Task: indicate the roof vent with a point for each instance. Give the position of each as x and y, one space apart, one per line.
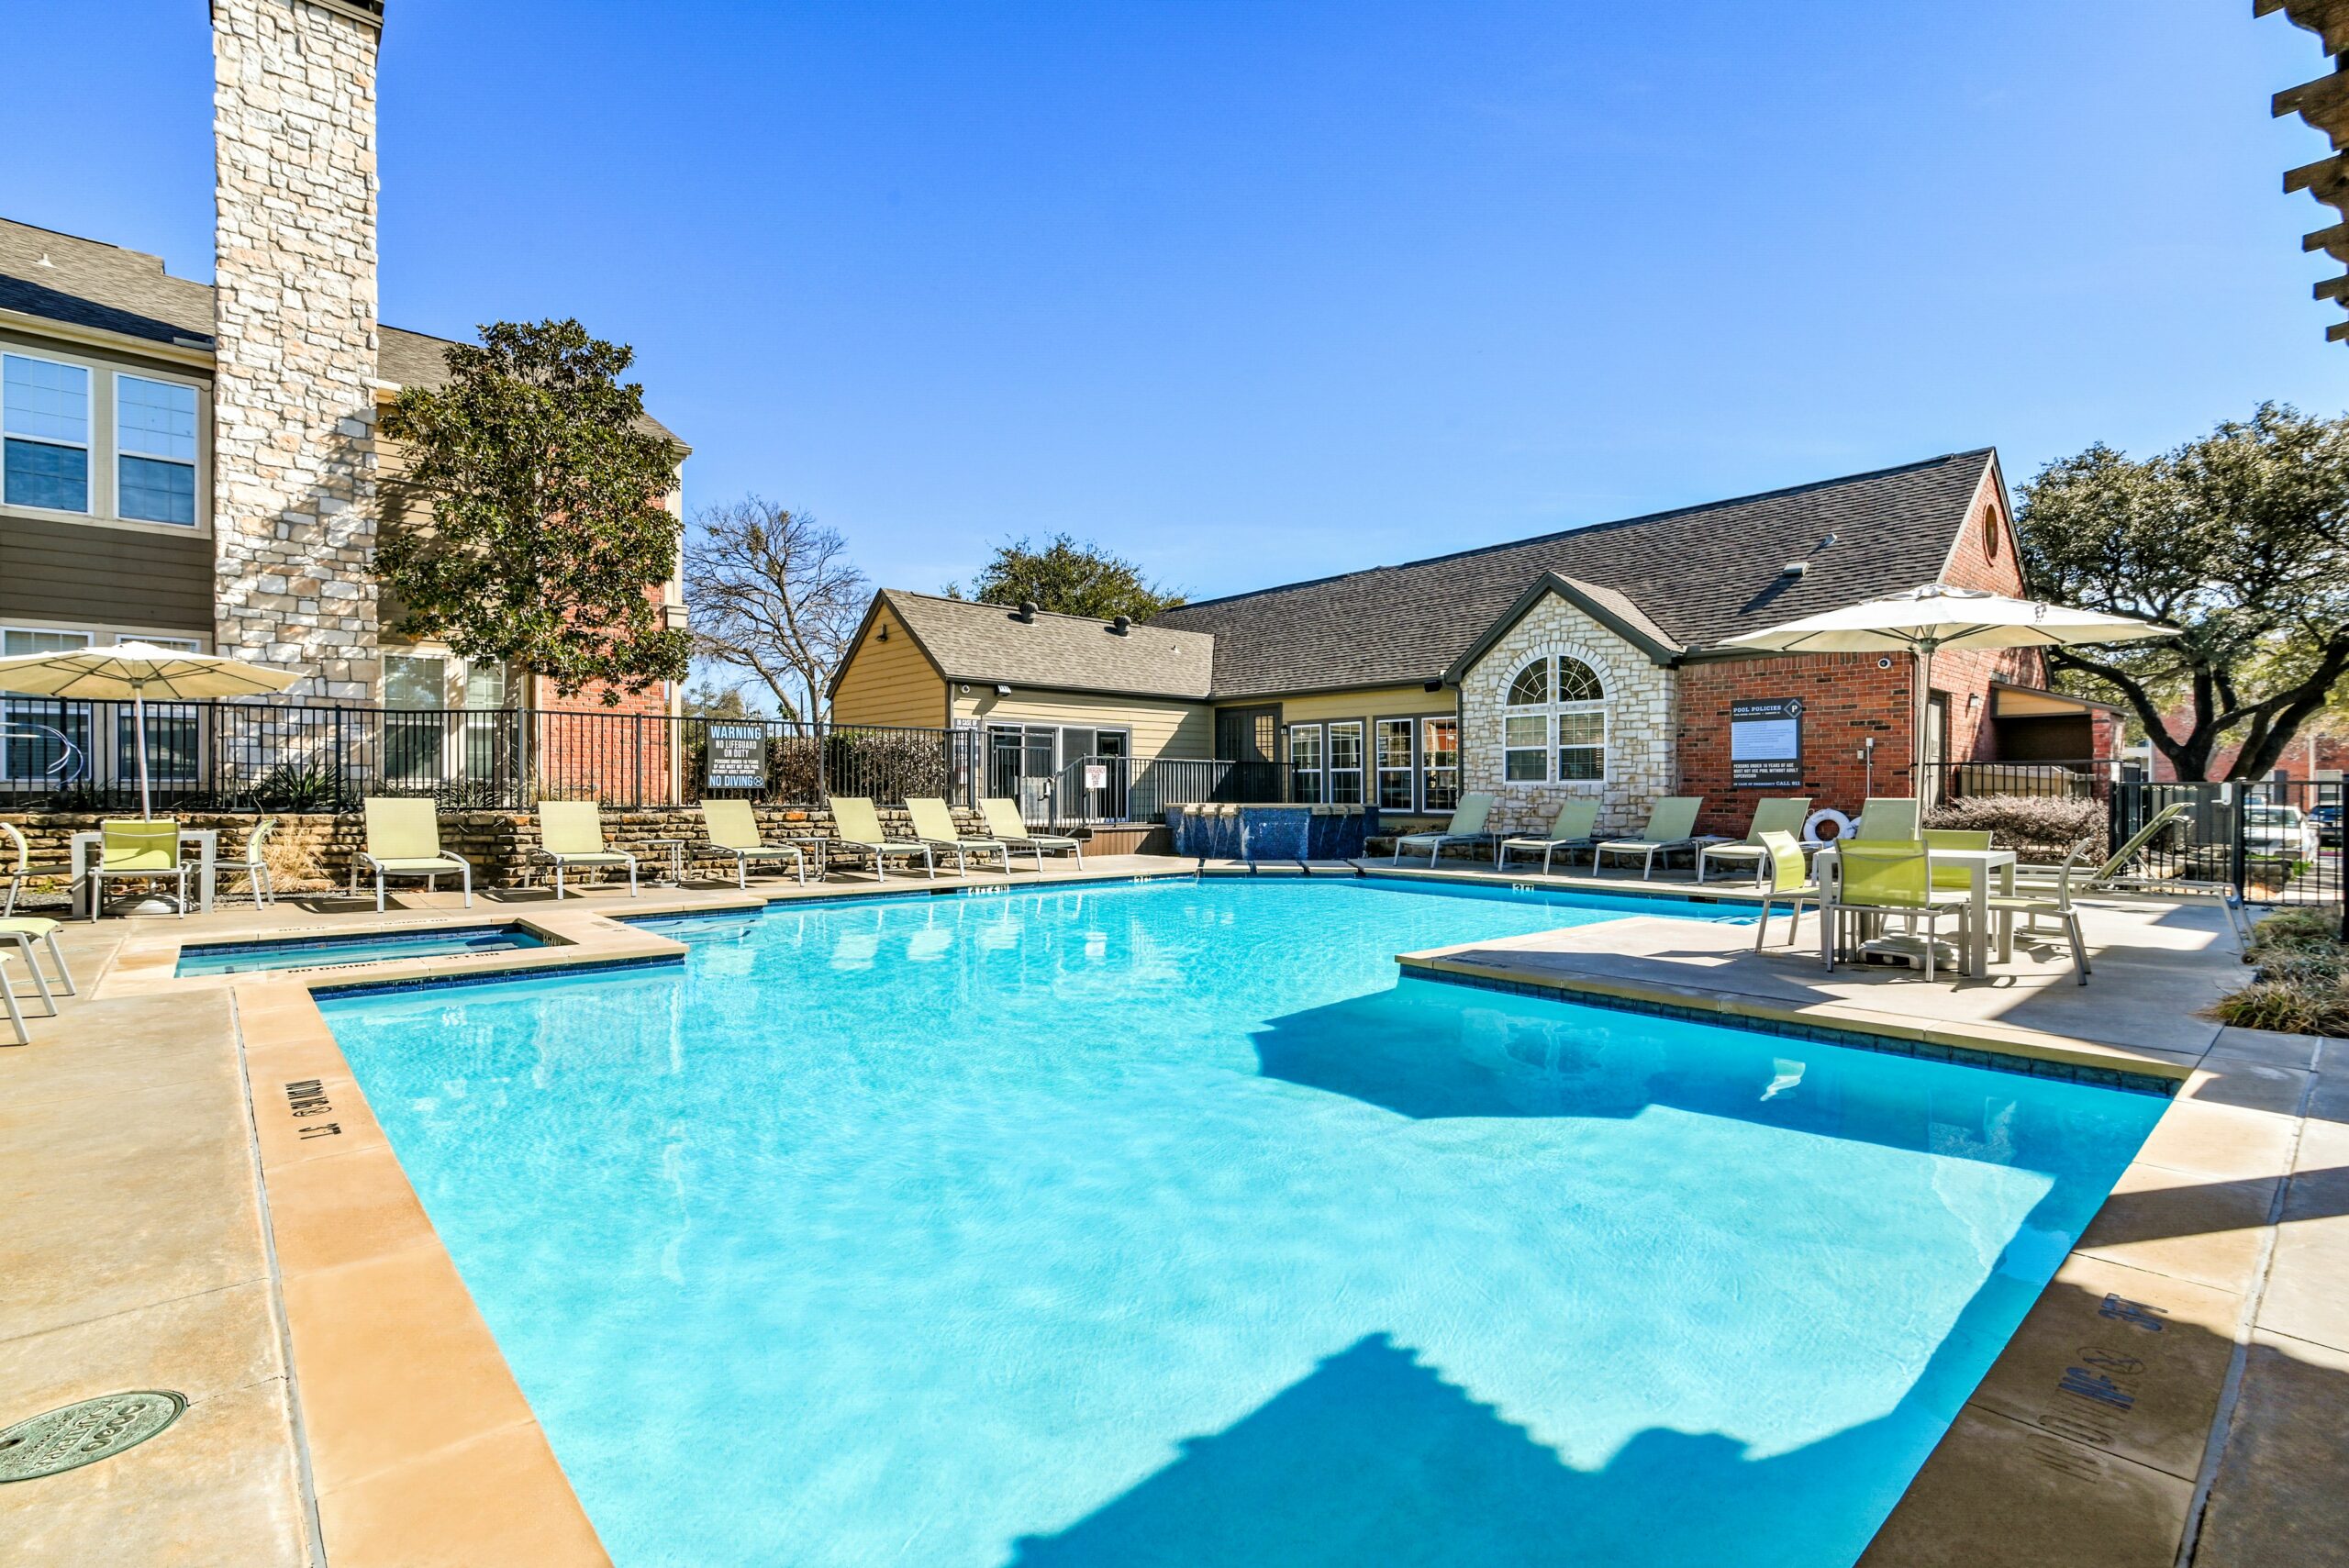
1027 611
1119 624
1794 569
45 261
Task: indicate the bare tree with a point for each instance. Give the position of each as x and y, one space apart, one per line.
772 592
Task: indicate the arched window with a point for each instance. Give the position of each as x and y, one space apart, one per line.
1554 724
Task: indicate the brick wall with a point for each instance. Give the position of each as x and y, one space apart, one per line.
497 843
1846 697
600 756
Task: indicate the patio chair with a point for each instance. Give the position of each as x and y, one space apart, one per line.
254 867
2055 903
1953 875
18 858
404 839
1782 813
144 850
733 829
1891 880
1886 819
571 833
1466 826
1786 874
1570 830
856 827
1670 827
934 826
8 999
1006 822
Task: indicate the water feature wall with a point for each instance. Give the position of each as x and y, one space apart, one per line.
1270 832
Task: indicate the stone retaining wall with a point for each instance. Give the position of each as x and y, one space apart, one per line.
497 842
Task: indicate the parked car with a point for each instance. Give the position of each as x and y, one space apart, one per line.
2328 824
2278 830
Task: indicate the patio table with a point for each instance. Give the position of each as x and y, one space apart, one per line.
206 839
1979 865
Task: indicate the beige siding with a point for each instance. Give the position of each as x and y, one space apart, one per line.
890 682
1160 728
1379 702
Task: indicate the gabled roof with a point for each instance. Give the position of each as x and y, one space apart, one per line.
86 283
1694 577
1605 606
986 644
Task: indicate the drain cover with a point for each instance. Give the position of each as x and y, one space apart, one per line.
76 1435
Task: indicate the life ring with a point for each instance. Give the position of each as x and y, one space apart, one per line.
1826 816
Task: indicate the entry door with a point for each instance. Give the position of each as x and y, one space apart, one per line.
1249 738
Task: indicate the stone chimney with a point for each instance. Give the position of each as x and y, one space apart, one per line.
294 387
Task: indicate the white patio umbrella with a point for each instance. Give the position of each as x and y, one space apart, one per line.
1923 621
138 671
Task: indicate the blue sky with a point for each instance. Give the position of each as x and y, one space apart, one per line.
1253 292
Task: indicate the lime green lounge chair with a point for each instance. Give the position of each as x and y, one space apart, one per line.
404 839
1893 880
1466 826
144 850
934 826
1783 814
1887 819
1004 822
733 827
856 828
1570 830
2053 902
1671 826
571 834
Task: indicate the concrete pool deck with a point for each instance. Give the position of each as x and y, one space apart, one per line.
184 1219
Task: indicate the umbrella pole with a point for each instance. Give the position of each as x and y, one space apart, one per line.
1918 787
139 739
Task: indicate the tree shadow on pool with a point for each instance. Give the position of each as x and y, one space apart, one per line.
1375 1458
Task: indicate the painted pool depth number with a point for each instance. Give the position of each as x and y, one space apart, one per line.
306 1098
78 1434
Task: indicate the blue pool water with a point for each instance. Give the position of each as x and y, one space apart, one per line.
314 953
1160 1225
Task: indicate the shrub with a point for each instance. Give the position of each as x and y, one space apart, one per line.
2302 987
2037 826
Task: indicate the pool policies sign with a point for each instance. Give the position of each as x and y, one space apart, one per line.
1764 742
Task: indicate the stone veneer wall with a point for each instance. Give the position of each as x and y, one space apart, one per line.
294 398
1640 725
499 843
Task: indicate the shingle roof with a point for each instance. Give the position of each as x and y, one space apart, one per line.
1697 575
982 642
86 283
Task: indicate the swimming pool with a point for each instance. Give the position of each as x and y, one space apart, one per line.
318 953
1159 1224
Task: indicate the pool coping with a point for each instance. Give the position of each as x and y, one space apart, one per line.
417 1438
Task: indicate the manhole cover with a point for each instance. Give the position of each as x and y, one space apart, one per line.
75 1435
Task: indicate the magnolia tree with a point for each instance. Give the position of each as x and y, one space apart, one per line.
2239 539
527 526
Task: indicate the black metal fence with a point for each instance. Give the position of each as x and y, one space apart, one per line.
2274 841
1094 791
260 756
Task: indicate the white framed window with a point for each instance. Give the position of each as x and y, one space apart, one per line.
154 424
1345 763
1554 723
44 434
1304 785
1391 743
1438 764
